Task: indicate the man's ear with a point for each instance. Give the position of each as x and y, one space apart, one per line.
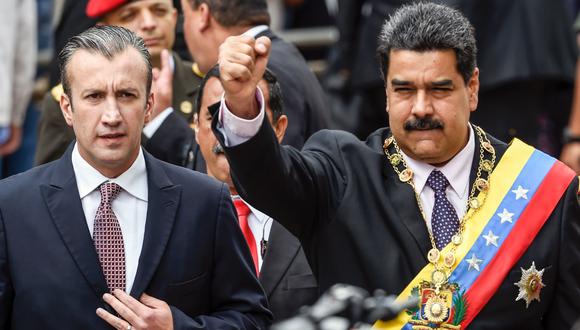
280 127
66 108
204 17
195 126
149 107
473 87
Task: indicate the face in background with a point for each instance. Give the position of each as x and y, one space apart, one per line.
107 108
196 26
429 104
216 161
152 20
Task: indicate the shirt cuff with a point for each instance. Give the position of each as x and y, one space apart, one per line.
238 130
152 126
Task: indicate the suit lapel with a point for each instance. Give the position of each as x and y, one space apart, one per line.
404 201
63 202
282 249
162 205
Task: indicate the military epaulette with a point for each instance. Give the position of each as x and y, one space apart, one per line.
57 92
196 70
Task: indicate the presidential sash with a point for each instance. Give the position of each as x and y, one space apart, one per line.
525 187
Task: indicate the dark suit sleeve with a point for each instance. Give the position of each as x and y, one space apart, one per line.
238 301
565 309
296 188
6 291
171 141
54 134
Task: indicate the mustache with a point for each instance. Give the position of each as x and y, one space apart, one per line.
422 124
217 149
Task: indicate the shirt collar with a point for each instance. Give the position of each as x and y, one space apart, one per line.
455 170
261 217
133 180
253 32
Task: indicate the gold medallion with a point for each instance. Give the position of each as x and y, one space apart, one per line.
438 278
406 175
437 308
474 203
433 256
487 146
395 159
387 142
449 260
486 165
481 184
186 107
456 239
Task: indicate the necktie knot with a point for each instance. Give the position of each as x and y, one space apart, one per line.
109 190
437 181
241 208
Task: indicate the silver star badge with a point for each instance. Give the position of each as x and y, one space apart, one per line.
474 262
521 192
490 238
530 284
505 216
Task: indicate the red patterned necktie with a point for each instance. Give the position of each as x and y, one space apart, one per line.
108 238
243 212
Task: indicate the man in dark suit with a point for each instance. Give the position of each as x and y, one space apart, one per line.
432 206
168 134
279 259
92 238
207 23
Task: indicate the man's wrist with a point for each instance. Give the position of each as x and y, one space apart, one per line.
570 137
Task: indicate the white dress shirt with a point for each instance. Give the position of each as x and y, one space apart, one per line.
238 130
260 225
456 173
130 206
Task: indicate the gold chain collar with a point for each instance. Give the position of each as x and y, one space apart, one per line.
481 184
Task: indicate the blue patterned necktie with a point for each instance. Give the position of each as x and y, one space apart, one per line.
444 221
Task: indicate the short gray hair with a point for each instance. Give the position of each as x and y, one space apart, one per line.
429 26
105 40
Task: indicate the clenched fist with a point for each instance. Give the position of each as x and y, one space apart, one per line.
242 61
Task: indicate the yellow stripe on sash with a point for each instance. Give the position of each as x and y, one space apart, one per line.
500 181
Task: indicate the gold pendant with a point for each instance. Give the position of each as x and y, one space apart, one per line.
388 142
474 203
406 175
449 260
456 239
395 159
486 165
433 256
481 184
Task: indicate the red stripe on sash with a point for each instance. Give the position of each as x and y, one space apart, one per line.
519 239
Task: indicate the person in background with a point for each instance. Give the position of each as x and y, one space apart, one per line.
175 83
207 24
278 257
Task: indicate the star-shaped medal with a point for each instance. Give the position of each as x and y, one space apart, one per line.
490 238
530 284
505 216
473 262
520 192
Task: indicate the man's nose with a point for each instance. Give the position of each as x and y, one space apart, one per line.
148 20
422 106
112 113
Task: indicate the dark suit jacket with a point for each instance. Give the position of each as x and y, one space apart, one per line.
360 225
303 97
286 275
50 276
169 143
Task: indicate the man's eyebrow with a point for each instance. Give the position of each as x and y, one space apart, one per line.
399 82
442 83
